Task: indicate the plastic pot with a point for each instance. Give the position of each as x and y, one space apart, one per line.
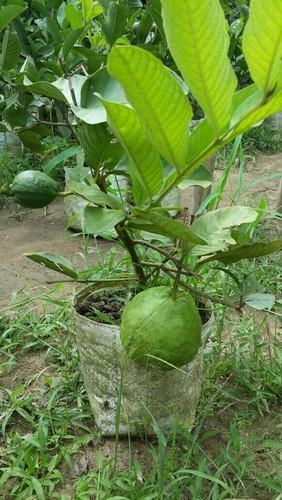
128 398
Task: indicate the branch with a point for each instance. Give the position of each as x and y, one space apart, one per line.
169 256
129 245
192 289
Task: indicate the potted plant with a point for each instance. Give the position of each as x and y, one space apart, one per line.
152 371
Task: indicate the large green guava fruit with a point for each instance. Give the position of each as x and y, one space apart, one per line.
156 324
34 189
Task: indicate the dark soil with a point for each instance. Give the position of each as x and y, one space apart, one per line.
107 307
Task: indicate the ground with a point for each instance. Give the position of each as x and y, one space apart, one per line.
49 435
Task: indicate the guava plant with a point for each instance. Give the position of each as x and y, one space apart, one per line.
151 118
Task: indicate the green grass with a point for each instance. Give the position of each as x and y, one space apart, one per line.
50 447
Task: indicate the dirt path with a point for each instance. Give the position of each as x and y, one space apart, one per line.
33 231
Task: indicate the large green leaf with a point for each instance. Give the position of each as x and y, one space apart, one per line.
158 99
262 44
165 226
54 262
250 251
101 221
144 159
198 40
215 227
8 14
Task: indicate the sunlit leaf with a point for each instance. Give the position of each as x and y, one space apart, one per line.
198 40
157 98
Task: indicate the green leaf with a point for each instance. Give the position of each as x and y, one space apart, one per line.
144 159
10 51
31 140
165 226
260 301
215 227
262 44
8 14
38 488
91 109
70 40
250 251
115 21
253 111
46 89
98 145
101 221
200 177
54 262
198 40
94 194
90 9
158 99
74 16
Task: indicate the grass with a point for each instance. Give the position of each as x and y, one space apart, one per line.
50 447
258 139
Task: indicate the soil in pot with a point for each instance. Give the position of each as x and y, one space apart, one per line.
107 306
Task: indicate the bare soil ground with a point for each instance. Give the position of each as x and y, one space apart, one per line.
31 231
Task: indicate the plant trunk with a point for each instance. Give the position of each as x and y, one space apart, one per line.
129 245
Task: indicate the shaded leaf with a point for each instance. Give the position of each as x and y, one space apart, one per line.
101 221
250 251
94 195
54 262
201 177
115 21
165 226
98 145
8 14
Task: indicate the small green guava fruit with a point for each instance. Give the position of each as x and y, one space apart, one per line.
34 189
155 324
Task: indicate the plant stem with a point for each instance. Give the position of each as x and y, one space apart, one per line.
160 266
129 245
178 275
195 290
169 256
